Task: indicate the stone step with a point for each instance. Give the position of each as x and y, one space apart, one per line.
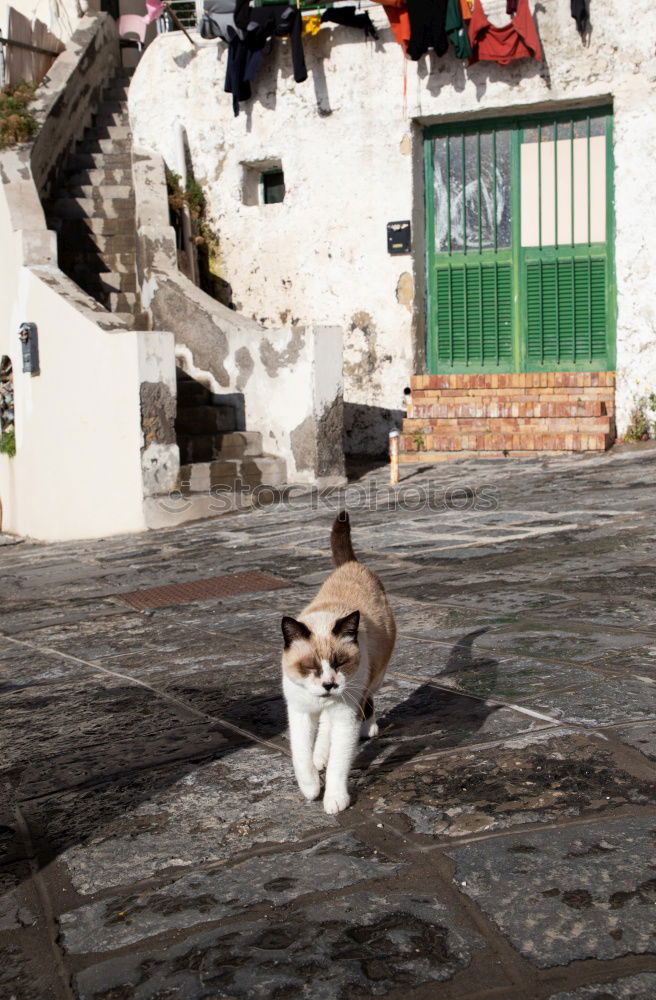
99 227
100 193
121 302
192 393
105 245
94 133
128 318
241 444
99 178
96 263
92 208
528 441
259 470
99 161
116 92
510 425
204 420
264 470
111 116
104 282
200 447
105 146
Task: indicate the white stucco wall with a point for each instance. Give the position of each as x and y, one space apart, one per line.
61 17
350 148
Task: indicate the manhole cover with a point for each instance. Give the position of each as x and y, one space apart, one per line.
202 590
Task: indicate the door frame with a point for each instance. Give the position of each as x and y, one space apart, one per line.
518 254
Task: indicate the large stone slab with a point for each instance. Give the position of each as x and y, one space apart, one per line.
219 892
541 778
365 944
567 895
135 829
603 701
619 613
640 987
554 643
432 718
42 722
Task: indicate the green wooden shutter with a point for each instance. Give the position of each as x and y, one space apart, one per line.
566 311
474 314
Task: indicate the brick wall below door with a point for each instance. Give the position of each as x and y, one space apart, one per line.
517 414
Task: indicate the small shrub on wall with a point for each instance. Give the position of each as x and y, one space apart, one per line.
17 122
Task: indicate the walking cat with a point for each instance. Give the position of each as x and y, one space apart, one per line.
334 660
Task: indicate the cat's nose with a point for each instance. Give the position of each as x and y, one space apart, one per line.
329 685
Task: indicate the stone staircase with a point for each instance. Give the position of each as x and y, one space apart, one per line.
93 214
212 451
93 211
519 415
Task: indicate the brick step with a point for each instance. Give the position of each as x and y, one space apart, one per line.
203 420
433 457
559 394
257 470
98 178
512 425
516 380
491 409
500 442
91 208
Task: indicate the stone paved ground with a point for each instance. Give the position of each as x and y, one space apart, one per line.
502 842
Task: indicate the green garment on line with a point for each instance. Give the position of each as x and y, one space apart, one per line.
456 30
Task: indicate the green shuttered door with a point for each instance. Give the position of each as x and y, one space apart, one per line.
520 255
474 313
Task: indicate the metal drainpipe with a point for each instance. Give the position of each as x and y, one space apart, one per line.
188 244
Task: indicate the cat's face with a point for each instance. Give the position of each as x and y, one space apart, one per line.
321 664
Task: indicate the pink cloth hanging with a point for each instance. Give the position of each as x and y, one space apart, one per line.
153 9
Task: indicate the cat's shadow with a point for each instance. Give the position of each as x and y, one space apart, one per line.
434 716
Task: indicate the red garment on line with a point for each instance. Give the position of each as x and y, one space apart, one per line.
516 40
399 19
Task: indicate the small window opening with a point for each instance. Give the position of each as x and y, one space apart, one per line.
273 187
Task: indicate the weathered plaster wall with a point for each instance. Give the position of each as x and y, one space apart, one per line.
61 17
350 147
286 381
90 441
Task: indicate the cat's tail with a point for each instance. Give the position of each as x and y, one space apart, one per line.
340 540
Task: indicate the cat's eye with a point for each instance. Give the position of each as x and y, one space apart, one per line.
306 667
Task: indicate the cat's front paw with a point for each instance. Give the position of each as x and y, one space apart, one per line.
335 802
310 787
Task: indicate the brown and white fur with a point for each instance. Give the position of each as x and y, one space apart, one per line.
334 660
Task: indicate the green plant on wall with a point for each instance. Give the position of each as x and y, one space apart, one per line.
17 122
8 443
418 441
207 244
642 427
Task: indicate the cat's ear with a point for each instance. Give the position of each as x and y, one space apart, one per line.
347 627
292 630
